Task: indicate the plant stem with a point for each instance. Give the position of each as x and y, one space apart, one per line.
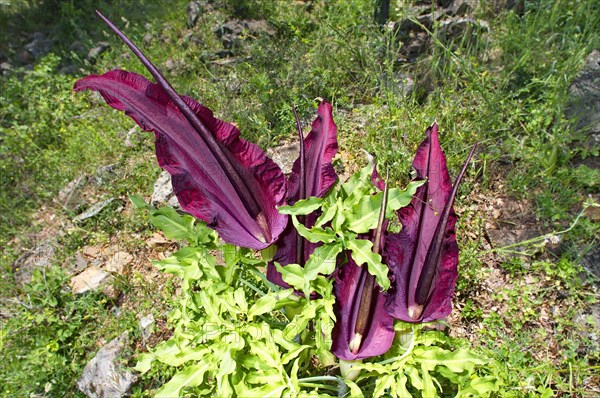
405 354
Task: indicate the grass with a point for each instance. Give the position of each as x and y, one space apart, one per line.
507 89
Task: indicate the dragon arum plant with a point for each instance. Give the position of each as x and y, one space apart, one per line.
337 284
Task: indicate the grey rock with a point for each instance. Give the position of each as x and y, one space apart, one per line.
70 197
400 84
68 70
455 28
500 238
285 155
90 279
76 263
146 327
234 32
584 104
77 47
133 137
93 210
194 9
39 46
105 376
591 261
463 7
38 258
96 51
587 324
5 66
163 191
105 173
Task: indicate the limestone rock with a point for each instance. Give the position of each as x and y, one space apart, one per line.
93 210
118 261
39 257
105 376
194 9
88 280
163 191
284 156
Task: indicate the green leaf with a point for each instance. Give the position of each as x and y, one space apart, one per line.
383 383
268 353
355 391
192 376
428 389
302 207
139 202
457 361
240 299
364 214
293 274
362 253
144 362
288 356
399 198
173 225
315 234
322 261
400 387
268 302
480 387
329 211
414 376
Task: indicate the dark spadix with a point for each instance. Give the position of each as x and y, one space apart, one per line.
363 329
423 257
312 175
217 176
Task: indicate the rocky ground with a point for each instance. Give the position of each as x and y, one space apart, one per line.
502 220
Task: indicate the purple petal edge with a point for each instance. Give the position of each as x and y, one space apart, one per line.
405 252
349 280
201 186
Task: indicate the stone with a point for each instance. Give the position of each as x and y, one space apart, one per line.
133 137
146 327
584 93
456 28
70 197
157 239
285 156
96 51
500 238
233 33
163 191
105 173
462 7
118 262
38 258
76 263
39 46
400 84
68 70
5 67
90 279
106 376
586 324
194 9
591 261
77 47
93 210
